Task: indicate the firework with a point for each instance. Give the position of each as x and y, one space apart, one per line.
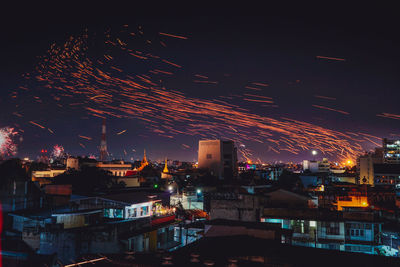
103 88
7 145
58 151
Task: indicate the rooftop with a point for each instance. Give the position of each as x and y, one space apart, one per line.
242 251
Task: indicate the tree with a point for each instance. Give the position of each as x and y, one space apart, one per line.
37 166
150 171
289 180
12 170
207 179
87 179
247 175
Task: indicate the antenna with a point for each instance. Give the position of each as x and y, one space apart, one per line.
103 143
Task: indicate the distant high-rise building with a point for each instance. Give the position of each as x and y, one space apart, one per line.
103 143
391 151
219 157
316 166
72 163
365 166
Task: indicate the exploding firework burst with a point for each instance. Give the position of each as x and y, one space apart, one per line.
7 145
58 151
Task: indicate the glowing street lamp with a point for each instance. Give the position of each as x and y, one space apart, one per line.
314 153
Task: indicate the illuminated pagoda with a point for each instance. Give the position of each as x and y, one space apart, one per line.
143 163
165 173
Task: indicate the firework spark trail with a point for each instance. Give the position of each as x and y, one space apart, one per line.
331 58
325 97
172 35
389 116
7 145
331 109
106 91
37 124
121 132
85 137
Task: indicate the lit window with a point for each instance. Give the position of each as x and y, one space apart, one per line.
313 223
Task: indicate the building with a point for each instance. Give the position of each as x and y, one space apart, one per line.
116 168
133 220
45 177
391 151
240 251
381 167
165 173
234 206
339 234
72 163
277 197
387 174
17 191
351 201
222 227
365 166
189 199
125 205
219 157
316 166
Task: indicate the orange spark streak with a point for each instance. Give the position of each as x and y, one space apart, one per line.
325 97
173 64
331 58
331 109
85 137
34 123
172 35
261 84
121 132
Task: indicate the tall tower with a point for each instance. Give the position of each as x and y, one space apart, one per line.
103 143
218 157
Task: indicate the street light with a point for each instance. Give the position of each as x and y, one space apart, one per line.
314 153
198 191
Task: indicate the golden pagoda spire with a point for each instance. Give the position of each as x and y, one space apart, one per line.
144 162
165 167
144 157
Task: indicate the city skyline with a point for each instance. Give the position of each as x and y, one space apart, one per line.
147 134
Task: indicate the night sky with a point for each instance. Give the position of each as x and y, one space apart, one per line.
233 45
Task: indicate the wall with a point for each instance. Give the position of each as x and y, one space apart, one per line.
188 202
245 208
226 230
129 182
71 221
